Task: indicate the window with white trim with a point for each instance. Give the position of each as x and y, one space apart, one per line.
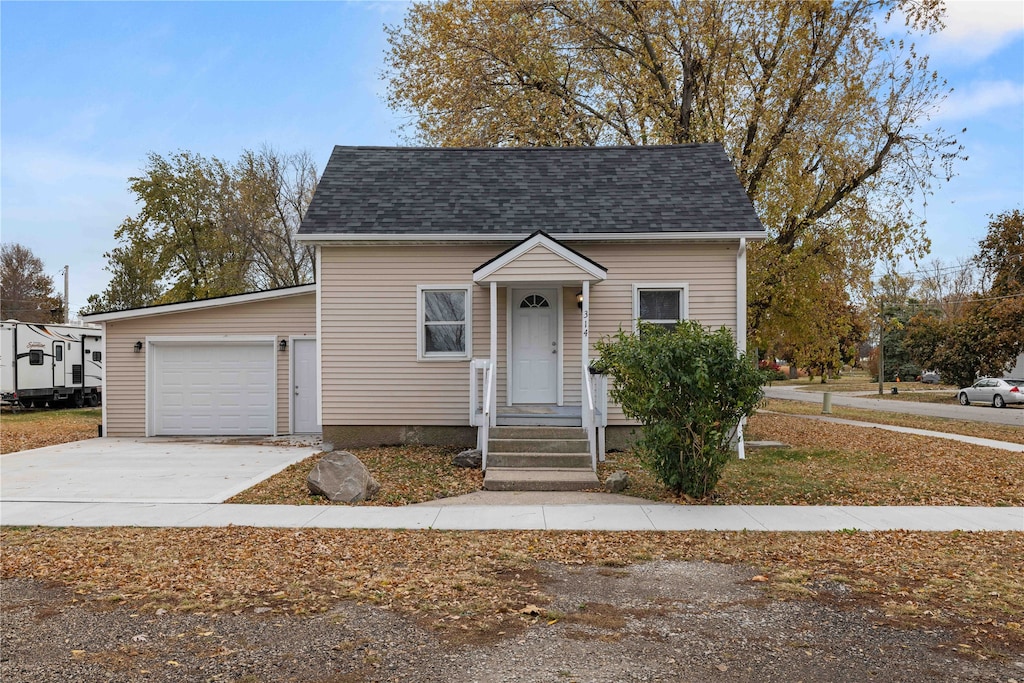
444 315
663 305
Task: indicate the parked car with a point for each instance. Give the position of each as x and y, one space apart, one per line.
930 377
998 392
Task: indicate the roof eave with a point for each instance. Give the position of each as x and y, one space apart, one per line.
456 238
184 306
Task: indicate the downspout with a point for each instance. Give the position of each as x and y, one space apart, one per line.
741 325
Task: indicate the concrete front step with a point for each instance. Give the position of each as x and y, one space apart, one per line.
577 460
538 458
538 445
537 432
529 420
546 479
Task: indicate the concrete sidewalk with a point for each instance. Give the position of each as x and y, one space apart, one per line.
963 438
640 516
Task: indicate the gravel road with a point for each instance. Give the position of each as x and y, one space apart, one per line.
663 621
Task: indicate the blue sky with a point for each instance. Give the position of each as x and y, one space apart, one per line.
87 90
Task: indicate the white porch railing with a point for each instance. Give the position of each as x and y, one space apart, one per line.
482 391
595 414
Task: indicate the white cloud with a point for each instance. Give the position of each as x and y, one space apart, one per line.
979 28
980 98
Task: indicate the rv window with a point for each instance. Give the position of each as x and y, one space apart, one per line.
58 351
35 357
97 356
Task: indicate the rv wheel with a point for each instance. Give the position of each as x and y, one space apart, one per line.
94 400
78 400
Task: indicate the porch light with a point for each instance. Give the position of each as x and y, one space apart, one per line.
283 345
579 300
138 347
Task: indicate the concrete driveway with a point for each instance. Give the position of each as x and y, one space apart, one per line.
157 470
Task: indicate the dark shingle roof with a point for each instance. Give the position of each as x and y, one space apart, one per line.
513 191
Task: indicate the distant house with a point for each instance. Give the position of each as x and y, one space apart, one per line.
448 281
1018 369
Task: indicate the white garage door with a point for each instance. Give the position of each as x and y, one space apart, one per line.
212 388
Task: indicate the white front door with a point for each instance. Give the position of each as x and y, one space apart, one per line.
535 346
304 414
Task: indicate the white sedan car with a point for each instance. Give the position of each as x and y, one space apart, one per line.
998 392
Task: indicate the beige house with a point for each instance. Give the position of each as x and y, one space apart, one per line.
463 289
457 291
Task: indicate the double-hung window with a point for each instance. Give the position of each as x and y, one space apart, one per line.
444 322
663 305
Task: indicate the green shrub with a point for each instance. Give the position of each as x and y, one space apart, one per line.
689 390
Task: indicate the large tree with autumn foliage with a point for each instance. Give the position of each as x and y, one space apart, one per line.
26 291
984 333
823 114
208 228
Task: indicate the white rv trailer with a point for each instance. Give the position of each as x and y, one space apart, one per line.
53 365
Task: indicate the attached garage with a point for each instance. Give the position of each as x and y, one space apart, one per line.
230 366
212 387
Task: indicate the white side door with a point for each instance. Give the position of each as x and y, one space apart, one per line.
535 346
304 414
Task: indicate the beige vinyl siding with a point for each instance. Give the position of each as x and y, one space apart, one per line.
708 269
125 386
572 342
371 375
538 265
370 372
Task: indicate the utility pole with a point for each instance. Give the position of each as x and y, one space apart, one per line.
881 345
67 302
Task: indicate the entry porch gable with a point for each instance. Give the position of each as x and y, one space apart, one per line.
534 273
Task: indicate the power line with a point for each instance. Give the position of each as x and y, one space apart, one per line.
938 271
973 299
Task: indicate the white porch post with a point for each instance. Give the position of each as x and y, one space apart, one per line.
585 327
494 351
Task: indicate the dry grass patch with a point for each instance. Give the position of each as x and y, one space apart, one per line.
407 475
27 429
833 464
982 430
478 583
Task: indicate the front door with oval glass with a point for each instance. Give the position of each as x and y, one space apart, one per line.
534 346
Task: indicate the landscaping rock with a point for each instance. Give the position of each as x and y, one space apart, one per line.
342 478
472 458
616 482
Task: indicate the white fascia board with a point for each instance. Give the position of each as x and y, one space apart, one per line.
596 272
350 239
164 309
